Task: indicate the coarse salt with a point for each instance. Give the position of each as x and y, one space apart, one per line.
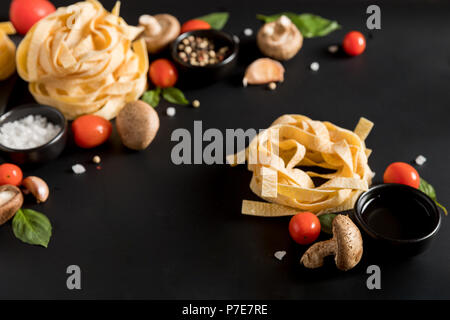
420 160
170 111
315 66
248 32
78 169
27 133
280 255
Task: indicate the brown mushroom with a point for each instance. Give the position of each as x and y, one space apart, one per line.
137 125
160 31
280 39
346 246
37 187
263 71
11 200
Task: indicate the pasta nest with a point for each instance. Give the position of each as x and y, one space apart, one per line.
285 159
83 59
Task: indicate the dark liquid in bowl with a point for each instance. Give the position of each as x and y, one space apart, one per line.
397 217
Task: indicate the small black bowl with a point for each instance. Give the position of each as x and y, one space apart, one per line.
198 75
49 151
398 219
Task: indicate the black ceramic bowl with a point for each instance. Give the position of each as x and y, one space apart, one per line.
41 154
192 75
397 218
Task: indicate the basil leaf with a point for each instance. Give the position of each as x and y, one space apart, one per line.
428 189
326 222
216 20
152 97
310 25
32 227
174 95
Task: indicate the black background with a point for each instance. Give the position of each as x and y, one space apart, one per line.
143 228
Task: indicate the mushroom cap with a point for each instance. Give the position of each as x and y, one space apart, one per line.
349 243
280 39
11 203
170 29
137 125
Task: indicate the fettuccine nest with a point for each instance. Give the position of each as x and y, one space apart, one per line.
84 60
294 141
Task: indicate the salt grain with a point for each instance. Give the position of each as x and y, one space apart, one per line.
78 169
280 255
27 133
315 66
248 32
420 160
170 111
333 49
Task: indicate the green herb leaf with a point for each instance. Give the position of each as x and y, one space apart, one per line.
174 95
216 20
152 97
310 25
326 222
32 227
428 189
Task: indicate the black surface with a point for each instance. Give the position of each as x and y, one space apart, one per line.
142 227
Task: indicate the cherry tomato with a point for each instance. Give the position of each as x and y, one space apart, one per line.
354 43
403 173
304 227
91 131
25 13
194 24
10 174
163 73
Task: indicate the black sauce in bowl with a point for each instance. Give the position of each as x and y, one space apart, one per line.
398 216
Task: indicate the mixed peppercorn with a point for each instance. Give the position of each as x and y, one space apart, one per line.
199 51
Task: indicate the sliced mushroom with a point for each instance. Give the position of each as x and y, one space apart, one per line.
280 39
346 246
263 71
37 187
160 31
11 200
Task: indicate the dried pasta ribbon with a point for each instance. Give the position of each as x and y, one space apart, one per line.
83 59
302 142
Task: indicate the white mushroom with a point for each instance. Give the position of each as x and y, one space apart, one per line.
160 31
346 246
280 39
37 187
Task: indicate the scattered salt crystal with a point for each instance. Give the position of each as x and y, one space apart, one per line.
27 133
248 32
333 49
315 66
420 160
78 169
170 111
280 255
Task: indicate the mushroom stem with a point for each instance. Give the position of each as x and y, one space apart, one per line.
314 256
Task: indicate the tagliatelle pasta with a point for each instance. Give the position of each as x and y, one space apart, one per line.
84 60
294 141
7 51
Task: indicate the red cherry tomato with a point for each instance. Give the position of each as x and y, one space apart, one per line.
25 13
163 73
194 24
354 43
403 173
10 174
91 131
304 228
